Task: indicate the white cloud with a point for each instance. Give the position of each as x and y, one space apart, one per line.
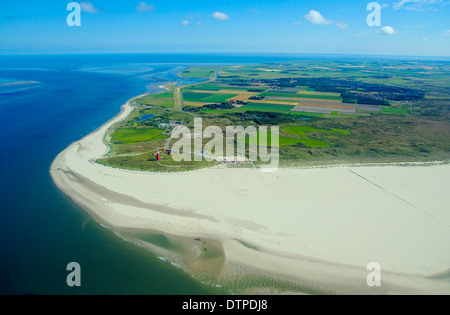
185 23
418 5
342 25
314 17
297 23
88 7
221 16
447 33
143 7
389 30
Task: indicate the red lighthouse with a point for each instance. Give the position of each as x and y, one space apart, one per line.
158 157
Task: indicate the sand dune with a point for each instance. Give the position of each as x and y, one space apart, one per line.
319 226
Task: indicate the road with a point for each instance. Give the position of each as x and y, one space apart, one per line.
178 96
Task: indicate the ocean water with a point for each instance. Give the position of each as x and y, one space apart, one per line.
41 230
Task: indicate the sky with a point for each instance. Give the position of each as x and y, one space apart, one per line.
408 27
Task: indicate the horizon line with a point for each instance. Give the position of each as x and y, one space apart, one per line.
221 53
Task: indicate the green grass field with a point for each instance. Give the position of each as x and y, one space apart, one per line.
288 141
133 135
217 87
208 87
163 95
301 131
319 96
280 94
398 111
195 97
276 108
163 100
341 131
207 97
219 98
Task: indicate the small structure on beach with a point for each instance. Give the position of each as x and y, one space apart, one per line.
239 160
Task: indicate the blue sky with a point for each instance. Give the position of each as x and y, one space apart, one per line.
409 27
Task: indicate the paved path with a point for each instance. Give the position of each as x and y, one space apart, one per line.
178 96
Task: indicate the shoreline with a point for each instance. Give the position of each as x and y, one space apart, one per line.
299 255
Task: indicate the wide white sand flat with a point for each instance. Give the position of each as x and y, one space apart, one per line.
318 225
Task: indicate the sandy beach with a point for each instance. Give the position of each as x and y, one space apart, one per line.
318 226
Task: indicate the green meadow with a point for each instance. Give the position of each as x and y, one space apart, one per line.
288 141
163 100
133 135
206 97
263 107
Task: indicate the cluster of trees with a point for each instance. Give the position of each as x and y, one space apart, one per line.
240 82
268 118
370 99
195 109
257 98
364 99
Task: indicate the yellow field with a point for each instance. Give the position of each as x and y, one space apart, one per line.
242 97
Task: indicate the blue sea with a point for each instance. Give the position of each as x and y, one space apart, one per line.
46 103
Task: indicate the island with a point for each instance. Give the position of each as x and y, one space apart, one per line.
362 179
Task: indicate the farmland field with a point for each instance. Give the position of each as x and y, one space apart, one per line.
207 97
276 102
319 96
267 107
194 96
313 103
280 94
219 98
